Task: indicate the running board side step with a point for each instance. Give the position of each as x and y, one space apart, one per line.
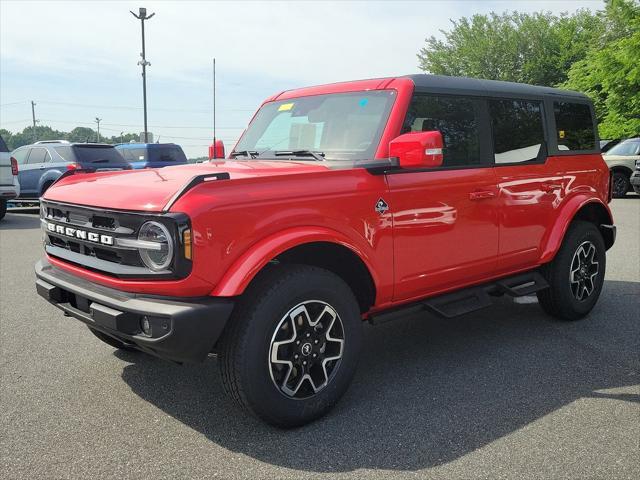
467 300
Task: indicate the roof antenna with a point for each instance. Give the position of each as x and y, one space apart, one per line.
214 107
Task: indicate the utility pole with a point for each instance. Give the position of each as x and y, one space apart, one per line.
33 115
121 137
98 120
142 17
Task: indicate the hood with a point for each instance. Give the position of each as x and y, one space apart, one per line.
150 189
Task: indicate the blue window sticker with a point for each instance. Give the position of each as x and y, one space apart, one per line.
363 102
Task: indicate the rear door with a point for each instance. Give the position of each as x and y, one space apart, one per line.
29 174
529 189
445 219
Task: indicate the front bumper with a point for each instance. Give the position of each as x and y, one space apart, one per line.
181 329
635 180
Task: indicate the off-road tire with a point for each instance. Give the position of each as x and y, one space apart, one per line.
115 343
559 300
246 346
620 184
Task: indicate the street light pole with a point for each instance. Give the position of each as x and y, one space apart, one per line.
142 17
98 120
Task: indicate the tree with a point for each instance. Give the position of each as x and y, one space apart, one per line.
43 132
610 73
534 48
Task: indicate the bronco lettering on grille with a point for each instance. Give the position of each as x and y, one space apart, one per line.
80 234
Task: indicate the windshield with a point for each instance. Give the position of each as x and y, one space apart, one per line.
628 147
101 156
343 126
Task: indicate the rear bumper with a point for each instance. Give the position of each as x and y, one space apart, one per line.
181 329
7 192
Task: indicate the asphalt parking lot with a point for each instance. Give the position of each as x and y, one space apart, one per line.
504 393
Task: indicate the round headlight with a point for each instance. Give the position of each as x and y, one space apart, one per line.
159 253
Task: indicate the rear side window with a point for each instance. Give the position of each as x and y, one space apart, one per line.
518 133
457 120
3 146
574 126
20 155
37 155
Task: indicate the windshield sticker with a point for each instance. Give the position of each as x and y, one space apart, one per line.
363 102
285 106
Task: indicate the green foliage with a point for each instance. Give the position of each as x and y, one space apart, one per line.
597 54
78 134
610 73
534 48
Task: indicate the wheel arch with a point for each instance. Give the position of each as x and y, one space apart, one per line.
592 210
48 178
316 246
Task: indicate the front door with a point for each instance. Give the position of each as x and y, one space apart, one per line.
445 219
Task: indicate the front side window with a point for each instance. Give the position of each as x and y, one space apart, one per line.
518 133
344 126
456 118
574 126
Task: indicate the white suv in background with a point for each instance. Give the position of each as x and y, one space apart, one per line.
9 186
621 161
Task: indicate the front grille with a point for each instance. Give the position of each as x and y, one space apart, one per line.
64 224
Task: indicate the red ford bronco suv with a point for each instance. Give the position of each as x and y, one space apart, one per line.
340 203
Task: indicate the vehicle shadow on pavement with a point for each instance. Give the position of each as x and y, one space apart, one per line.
428 390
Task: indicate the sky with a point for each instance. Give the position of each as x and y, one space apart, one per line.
78 59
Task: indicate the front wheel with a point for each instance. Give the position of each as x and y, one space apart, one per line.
292 345
3 208
576 274
621 184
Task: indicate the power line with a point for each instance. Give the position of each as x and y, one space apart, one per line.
126 107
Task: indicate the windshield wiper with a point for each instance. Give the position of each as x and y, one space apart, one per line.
318 156
100 160
244 153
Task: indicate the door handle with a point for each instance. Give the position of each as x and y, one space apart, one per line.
550 187
481 194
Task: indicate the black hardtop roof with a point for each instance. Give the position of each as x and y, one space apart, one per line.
476 86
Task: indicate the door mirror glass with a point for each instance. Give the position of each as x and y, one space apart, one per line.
418 149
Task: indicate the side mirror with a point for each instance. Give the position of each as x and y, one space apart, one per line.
216 150
418 149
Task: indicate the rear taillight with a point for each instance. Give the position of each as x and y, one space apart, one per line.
14 166
72 166
610 188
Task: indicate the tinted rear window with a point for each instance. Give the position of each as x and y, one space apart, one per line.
574 126
98 157
174 154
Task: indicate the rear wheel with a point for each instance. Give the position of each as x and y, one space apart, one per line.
115 343
620 184
3 208
292 345
576 274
